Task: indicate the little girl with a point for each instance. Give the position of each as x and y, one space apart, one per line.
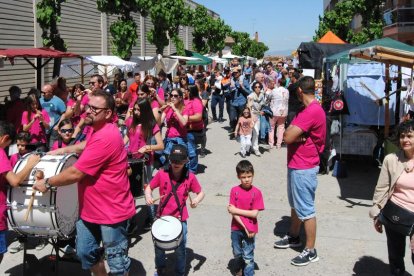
244 129
65 130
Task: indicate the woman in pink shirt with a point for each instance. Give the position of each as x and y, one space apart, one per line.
35 121
176 117
393 204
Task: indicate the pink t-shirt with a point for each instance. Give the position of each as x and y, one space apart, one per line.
251 199
194 106
404 191
104 193
136 138
154 103
14 158
174 128
163 181
63 145
36 131
245 126
305 155
71 104
5 167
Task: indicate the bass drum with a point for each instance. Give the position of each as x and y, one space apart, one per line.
53 213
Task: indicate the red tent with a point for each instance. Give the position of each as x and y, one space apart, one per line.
37 53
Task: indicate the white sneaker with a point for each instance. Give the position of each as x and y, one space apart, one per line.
17 248
257 153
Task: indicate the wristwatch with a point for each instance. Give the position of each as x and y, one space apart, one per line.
47 185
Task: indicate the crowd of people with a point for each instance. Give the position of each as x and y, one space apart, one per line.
163 122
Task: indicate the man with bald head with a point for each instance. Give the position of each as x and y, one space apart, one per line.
54 107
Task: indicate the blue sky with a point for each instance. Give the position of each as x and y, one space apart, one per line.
282 24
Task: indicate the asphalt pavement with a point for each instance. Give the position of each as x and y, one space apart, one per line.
347 243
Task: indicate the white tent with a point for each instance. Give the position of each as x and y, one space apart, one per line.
230 56
104 65
217 59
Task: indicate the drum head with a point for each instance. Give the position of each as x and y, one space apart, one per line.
166 228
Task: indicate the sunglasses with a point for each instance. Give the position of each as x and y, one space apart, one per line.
149 83
175 95
92 82
257 87
66 130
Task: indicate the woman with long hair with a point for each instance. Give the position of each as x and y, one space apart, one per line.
122 98
195 125
36 121
143 139
157 93
176 117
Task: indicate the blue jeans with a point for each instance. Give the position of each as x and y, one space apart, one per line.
115 243
235 112
192 152
217 99
264 127
179 252
301 191
243 251
168 144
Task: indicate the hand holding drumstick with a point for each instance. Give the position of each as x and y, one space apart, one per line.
39 175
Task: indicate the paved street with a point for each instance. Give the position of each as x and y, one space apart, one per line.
347 243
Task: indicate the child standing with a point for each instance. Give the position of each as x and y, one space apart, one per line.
65 130
245 203
7 135
22 141
244 129
184 181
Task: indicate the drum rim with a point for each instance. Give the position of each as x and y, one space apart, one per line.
52 201
174 218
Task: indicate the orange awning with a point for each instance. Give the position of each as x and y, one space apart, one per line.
330 37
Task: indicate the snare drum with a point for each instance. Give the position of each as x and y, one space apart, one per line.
167 233
136 179
55 212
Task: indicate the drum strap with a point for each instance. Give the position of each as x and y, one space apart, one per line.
165 201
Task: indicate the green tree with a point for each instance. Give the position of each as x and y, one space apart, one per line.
257 49
209 33
242 43
339 21
124 29
48 14
167 17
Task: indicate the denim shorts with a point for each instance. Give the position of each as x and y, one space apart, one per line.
115 243
3 242
301 190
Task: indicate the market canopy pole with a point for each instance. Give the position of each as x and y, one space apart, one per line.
387 104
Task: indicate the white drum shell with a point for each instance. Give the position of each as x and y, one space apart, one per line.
55 212
167 233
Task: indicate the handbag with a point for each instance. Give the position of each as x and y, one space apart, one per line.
338 104
397 218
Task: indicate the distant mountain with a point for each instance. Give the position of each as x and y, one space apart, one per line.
279 53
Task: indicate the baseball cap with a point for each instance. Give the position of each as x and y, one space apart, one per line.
178 153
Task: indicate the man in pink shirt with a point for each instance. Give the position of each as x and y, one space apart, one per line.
305 138
105 201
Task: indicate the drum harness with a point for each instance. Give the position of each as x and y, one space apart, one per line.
172 193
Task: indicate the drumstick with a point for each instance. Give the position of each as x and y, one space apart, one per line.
158 198
39 175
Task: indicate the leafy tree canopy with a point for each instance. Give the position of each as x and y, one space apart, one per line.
124 29
167 17
340 18
209 33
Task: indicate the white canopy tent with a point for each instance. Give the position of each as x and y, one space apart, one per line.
230 56
104 65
